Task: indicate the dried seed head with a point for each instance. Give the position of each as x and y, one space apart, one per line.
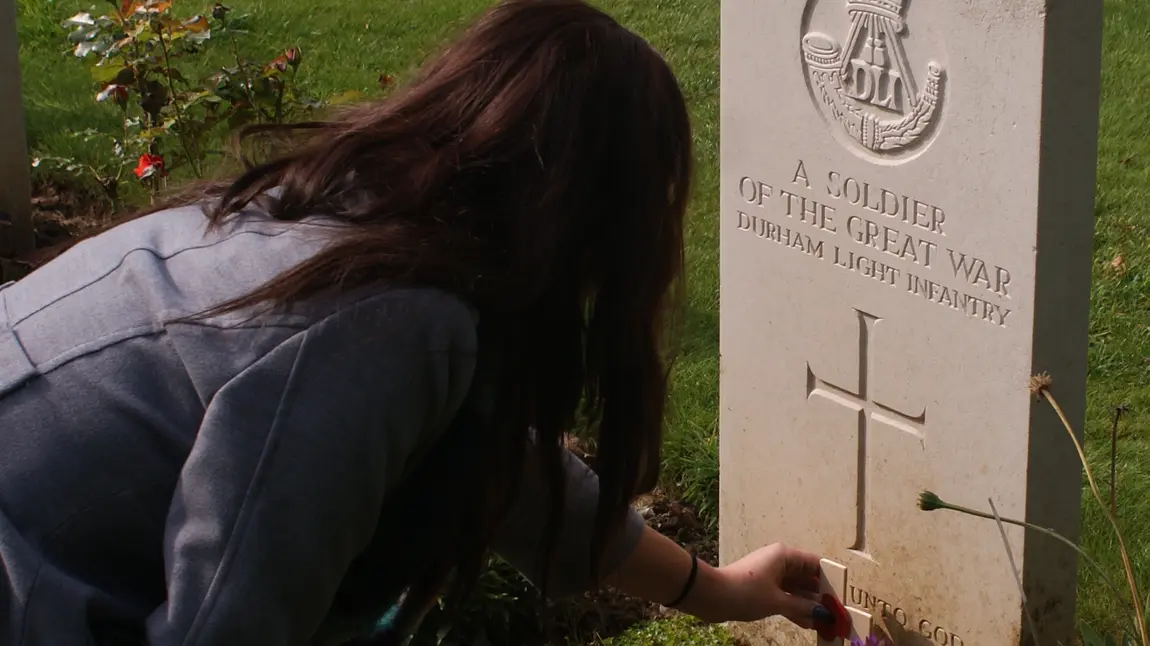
1039 384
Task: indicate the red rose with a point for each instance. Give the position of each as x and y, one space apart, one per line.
116 92
149 165
290 57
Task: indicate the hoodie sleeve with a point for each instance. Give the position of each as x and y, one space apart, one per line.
520 540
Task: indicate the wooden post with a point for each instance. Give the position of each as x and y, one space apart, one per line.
16 235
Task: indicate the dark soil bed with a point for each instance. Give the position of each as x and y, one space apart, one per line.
62 212
608 613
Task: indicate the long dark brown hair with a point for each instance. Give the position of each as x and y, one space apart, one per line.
539 169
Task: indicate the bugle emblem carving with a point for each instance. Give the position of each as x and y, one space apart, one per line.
867 86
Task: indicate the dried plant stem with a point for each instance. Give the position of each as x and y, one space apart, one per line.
1017 575
176 104
240 66
1118 410
1135 599
1047 532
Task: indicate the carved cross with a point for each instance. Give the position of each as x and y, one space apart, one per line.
868 412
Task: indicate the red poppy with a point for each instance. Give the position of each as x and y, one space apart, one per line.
149 165
841 628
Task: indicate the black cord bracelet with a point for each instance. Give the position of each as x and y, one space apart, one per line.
690 582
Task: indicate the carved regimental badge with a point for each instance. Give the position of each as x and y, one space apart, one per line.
867 87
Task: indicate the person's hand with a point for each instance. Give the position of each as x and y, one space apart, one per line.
775 580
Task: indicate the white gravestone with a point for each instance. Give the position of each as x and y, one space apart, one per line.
15 202
906 223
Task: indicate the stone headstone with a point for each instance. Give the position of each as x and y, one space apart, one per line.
15 201
907 213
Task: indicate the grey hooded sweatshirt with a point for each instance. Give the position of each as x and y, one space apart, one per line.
211 481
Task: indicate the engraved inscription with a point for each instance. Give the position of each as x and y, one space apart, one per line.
869 411
879 607
972 306
886 202
895 620
975 270
866 86
782 235
864 266
862 599
808 210
754 192
879 234
938 634
890 241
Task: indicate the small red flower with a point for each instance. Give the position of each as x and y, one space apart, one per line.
841 629
116 92
291 57
149 165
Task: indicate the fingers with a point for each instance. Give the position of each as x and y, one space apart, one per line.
799 600
798 610
812 596
801 585
798 564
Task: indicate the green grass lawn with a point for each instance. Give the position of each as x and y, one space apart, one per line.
348 45
1120 321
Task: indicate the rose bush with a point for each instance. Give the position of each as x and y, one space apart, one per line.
142 58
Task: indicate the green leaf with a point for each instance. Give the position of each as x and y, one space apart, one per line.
1090 637
82 18
84 34
200 37
151 134
104 74
84 48
203 96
